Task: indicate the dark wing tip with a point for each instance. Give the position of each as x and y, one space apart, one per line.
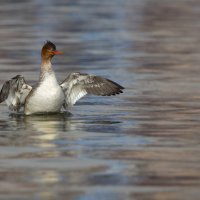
119 86
4 91
104 87
114 87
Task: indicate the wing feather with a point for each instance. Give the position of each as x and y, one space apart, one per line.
77 85
4 91
14 92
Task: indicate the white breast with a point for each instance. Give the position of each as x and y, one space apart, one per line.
47 97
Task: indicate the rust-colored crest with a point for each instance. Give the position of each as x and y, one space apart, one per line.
48 49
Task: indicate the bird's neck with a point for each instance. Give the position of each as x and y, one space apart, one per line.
46 68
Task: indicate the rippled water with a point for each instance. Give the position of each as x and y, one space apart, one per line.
143 144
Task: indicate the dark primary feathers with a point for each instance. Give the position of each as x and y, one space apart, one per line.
77 85
4 91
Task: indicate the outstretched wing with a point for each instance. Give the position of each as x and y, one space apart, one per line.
77 85
14 92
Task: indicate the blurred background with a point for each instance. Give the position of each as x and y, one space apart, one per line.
143 144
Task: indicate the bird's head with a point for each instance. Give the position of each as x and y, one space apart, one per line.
49 50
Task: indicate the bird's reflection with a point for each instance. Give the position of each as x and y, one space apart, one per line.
44 128
43 123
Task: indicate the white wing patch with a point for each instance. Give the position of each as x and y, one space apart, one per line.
77 85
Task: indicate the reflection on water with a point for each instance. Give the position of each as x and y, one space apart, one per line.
44 128
43 123
141 145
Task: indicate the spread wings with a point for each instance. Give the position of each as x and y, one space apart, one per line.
14 92
77 85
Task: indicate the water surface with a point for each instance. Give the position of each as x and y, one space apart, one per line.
143 144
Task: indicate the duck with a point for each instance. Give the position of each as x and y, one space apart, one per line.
50 96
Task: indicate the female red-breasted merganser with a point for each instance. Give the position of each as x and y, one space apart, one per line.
49 96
